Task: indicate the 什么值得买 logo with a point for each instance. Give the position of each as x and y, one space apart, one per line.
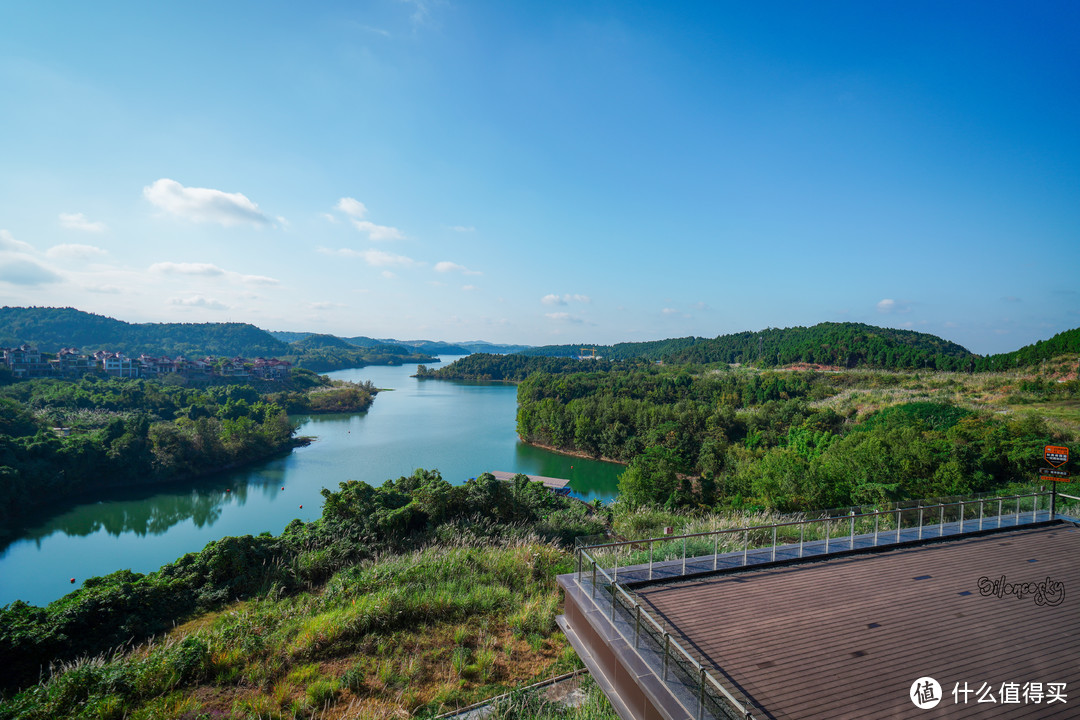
1048 592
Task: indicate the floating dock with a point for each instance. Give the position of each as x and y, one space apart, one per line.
549 482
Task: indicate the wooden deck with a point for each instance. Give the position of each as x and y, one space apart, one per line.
846 637
549 482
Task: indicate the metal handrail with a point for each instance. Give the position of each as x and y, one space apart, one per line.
805 521
639 612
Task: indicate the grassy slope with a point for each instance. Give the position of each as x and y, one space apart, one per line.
422 632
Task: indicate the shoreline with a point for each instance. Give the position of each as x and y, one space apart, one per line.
573 453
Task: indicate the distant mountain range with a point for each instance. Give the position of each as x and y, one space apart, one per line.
838 344
433 347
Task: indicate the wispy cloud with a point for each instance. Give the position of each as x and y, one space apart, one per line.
357 211
463 228
78 221
669 311
199 301
74 252
888 306
468 288
9 243
446 266
22 271
209 270
203 204
566 299
374 258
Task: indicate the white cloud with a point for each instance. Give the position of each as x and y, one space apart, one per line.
468 288
352 207
103 289
447 266
256 279
74 252
563 317
374 258
356 211
463 228
388 275
199 301
888 305
325 305
566 299
378 233
78 221
328 217
209 270
174 268
203 204
20 271
669 311
8 242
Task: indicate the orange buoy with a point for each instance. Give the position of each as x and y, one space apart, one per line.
301 507
72 581
282 488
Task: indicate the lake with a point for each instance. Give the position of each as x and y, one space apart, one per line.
462 429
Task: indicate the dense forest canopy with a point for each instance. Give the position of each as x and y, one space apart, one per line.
513 368
1064 343
743 438
50 329
845 345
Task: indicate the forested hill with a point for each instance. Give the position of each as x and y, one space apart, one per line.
50 329
1064 343
511 368
843 344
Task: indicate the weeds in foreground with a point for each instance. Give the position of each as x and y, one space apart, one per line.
430 630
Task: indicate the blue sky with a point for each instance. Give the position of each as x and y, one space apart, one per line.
545 172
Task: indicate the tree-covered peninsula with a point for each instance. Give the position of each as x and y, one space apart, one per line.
60 438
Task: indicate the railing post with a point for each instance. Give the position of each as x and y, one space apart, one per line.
616 578
1034 507
852 544
684 555
898 511
961 517
745 544
774 542
999 512
1017 511
802 531
920 521
651 543
637 623
701 694
828 532
981 503
666 639
941 521
715 549
612 602
593 578
877 516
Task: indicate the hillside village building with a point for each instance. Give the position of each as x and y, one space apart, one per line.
27 362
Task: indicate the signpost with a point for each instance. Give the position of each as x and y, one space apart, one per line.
1056 457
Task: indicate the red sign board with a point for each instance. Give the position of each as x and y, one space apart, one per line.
1055 455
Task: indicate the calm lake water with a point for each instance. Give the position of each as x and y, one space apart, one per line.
461 429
